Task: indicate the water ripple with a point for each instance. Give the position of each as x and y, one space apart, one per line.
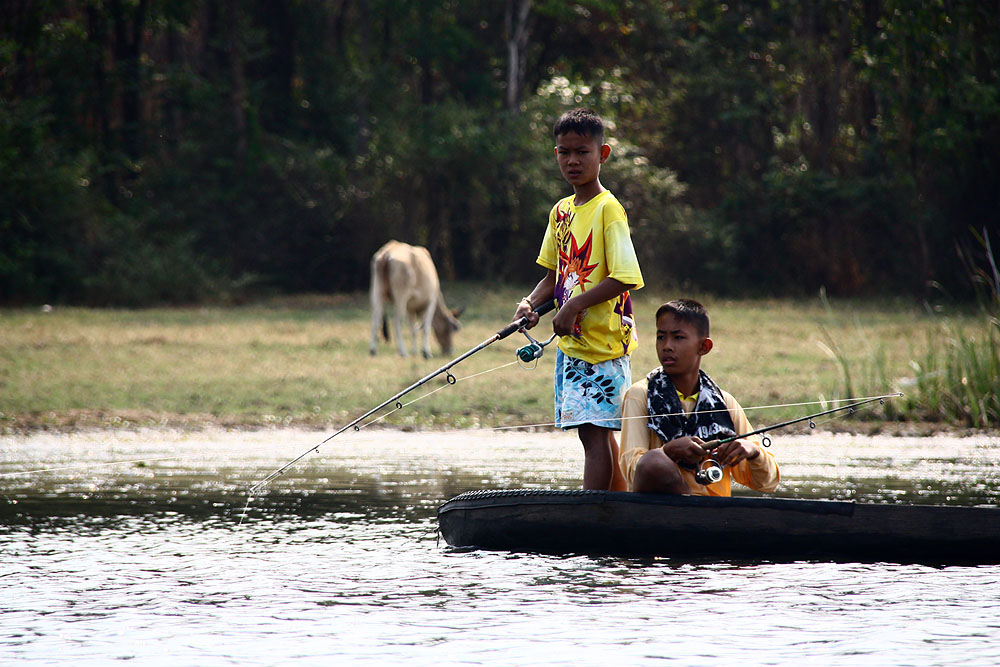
339 561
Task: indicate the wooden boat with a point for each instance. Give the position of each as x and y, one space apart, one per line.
616 523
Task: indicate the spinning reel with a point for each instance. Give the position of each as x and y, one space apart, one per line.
710 470
709 473
534 349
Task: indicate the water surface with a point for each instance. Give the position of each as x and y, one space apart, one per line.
152 555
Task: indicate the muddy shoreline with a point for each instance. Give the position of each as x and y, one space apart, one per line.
93 420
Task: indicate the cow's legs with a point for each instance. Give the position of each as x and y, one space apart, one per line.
399 312
428 321
378 311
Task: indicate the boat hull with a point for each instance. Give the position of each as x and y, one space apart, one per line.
606 522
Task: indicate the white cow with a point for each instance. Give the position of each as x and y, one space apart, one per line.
404 276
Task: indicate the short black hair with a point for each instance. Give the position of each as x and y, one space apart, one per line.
584 122
687 310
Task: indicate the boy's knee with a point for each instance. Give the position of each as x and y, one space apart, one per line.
652 464
657 473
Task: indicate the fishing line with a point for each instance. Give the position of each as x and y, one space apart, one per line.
706 412
256 488
541 309
87 465
823 402
434 391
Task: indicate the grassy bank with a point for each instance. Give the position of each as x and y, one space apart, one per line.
304 361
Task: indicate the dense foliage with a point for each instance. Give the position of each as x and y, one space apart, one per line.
161 151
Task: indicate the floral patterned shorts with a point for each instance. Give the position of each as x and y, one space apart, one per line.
590 393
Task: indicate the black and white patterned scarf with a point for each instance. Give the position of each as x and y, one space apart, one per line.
709 420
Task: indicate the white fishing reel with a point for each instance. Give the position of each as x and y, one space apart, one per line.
709 473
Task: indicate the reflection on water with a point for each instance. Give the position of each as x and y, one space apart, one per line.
153 560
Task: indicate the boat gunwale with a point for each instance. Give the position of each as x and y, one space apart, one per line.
514 497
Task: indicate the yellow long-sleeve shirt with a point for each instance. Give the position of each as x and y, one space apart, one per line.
760 474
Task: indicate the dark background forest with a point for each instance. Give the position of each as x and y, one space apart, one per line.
177 151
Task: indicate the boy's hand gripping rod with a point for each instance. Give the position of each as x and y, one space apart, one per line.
499 335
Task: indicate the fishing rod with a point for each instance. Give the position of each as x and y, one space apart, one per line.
536 351
713 472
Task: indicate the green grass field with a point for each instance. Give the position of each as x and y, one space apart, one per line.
304 362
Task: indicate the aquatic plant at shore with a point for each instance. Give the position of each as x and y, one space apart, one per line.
871 378
960 378
960 381
957 376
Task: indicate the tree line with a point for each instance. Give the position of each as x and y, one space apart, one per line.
156 151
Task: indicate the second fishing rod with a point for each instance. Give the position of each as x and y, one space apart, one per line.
712 472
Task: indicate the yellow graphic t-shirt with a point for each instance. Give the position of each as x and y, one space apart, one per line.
584 245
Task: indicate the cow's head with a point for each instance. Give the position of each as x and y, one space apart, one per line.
446 323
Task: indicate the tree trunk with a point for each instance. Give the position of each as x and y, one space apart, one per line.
279 65
518 32
425 61
128 55
171 110
365 67
238 88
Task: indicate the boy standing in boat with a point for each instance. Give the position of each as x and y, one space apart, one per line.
591 265
664 453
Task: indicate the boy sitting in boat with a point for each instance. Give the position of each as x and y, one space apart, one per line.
671 415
